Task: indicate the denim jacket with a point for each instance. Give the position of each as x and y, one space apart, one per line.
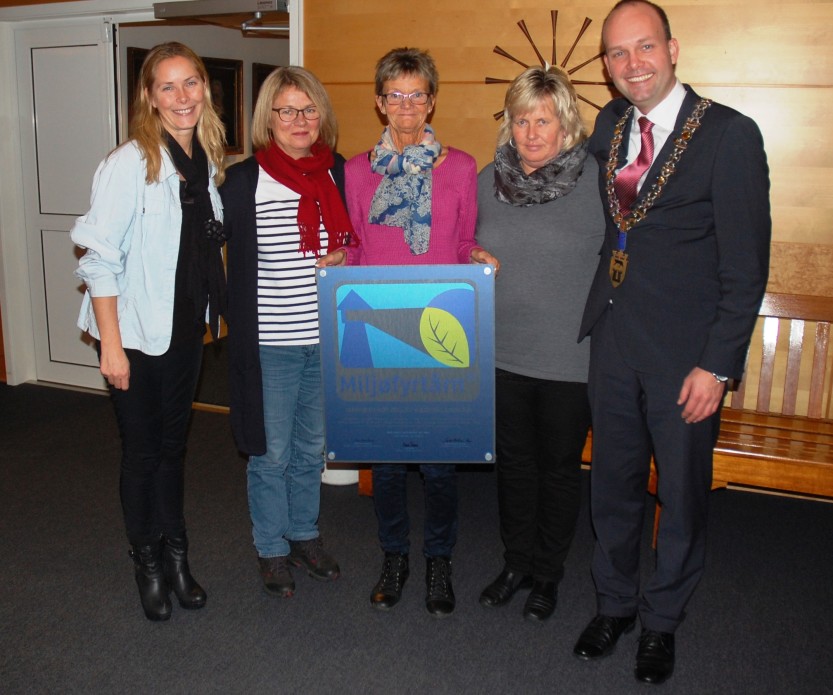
131 236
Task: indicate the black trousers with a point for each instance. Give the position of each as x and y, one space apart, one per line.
541 427
636 414
153 416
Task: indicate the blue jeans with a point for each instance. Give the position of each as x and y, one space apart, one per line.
285 482
390 500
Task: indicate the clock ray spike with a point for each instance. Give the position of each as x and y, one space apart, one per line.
586 62
522 25
554 19
501 52
587 23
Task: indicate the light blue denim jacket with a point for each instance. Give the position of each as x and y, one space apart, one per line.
131 236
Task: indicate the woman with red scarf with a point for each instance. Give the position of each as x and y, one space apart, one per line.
284 209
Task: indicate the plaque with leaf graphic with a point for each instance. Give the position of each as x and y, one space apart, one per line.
407 356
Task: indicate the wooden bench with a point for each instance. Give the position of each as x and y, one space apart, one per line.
776 432
783 439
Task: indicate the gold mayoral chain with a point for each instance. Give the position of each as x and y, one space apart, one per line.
619 259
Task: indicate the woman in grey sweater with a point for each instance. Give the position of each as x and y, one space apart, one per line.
539 212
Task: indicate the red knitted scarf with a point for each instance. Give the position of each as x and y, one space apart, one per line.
310 177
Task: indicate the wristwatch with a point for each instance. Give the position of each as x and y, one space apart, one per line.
721 379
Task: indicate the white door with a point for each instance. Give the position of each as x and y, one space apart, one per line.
67 111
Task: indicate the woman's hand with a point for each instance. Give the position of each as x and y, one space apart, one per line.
115 367
337 257
479 255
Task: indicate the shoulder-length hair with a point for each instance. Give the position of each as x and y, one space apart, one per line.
407 61
146 127
535 85
304 81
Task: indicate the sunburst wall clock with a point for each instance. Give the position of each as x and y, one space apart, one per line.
563 64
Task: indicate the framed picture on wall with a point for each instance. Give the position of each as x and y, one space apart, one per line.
226 83
260 71
226 78
135 58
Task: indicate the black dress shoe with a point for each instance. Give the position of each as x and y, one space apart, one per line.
600 636
388 589
501 591
439 599
541 601
655 657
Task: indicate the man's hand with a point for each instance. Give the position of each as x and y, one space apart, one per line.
700 395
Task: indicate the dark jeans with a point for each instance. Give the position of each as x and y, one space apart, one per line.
390 499
153 416
541 429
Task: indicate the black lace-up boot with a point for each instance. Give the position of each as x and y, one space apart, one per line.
388 589
439 600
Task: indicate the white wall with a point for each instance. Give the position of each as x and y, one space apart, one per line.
14 277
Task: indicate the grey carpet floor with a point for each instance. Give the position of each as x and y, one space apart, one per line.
70 622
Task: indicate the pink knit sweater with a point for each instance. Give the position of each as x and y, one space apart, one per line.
453 215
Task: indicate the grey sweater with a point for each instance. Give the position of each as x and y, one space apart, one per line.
548 255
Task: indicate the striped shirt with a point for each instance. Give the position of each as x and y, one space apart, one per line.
286 295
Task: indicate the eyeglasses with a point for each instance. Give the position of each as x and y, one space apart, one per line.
288 114
416 98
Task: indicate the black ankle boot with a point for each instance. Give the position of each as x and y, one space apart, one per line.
178 575
388 589
150 578
439 599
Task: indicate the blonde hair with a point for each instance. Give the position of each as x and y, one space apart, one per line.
535 85
146 128
304 81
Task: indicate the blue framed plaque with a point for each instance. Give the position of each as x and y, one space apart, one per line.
407 359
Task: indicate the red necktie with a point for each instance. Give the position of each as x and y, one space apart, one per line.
627 179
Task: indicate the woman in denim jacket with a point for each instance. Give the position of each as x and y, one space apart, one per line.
154 275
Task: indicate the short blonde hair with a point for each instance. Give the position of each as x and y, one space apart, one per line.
535 85
304 81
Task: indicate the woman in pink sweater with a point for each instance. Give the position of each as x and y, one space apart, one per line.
412 201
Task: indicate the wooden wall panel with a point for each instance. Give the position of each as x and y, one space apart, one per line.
770 60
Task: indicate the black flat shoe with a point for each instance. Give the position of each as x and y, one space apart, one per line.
540 603
655 657
600 636
501 591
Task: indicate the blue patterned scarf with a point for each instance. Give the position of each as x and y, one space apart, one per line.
403 198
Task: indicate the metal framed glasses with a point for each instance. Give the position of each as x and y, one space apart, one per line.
289 114
416 98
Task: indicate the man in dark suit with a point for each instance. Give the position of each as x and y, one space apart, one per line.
671 310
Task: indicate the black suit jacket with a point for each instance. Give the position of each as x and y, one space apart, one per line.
698 262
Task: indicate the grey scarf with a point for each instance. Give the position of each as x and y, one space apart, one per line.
553 180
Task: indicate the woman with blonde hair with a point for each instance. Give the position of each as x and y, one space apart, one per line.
538 209
284 209
154 275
